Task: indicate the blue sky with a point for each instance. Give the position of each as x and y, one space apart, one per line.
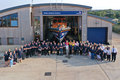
96 4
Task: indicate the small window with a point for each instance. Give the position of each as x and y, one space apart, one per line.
10 41
4 21
8 21
0 41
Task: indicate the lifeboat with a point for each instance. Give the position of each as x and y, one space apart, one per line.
59 28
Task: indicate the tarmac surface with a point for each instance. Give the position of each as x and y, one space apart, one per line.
76 68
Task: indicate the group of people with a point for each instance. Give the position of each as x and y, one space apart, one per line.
39 48
11 57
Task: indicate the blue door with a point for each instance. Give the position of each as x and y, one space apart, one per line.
97 35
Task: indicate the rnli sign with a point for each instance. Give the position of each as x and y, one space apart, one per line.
61 12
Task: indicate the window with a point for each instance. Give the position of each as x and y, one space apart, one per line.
0 41
9 20
4 21
36 20
10 41
14 20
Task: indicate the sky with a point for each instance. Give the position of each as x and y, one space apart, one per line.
96 4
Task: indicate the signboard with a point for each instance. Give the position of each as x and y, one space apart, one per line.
61 12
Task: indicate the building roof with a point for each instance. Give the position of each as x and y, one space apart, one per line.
65 4
103 18
44 4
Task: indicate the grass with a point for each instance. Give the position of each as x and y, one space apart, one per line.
116 28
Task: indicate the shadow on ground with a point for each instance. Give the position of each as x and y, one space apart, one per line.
74 61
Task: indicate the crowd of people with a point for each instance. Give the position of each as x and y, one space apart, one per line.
72 47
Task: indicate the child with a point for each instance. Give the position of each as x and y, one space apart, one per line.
11 59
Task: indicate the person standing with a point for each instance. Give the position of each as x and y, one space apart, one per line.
92 53
50 46
67 48
114 53
58 48
70 46
14 57
61 49
101 54
20 55
6 58
43 46
108 54
11 59
105 53
40 50
23 56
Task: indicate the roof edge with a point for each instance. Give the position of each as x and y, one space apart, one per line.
67 4
16 7
43 4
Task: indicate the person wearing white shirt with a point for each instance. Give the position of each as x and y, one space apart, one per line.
108 54
105 53
114 53
102 47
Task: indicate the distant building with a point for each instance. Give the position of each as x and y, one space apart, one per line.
22 24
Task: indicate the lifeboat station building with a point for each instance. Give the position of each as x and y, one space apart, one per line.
22 24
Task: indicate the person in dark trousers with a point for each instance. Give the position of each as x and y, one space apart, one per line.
28 50
47 48
108 54
61 49
81 48
9 52
32 49
70 46
114 53
20 55
6 58
92 53
101 54
64 48
43 47
50 46
39 50
58 47
14 57
25 50
105 53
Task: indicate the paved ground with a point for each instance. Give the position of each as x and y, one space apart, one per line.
77 68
